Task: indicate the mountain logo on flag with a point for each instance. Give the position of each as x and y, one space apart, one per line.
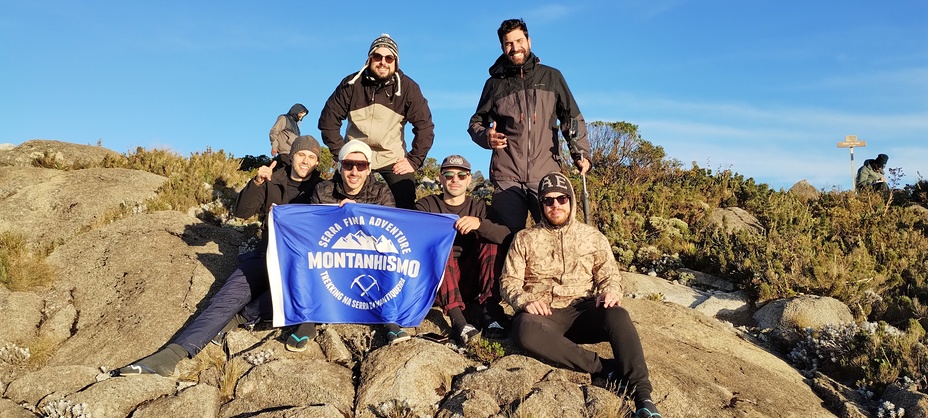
361 241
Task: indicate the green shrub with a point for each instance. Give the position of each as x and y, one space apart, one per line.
486 351
867 250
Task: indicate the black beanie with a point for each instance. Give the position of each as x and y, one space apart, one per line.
881 160
555 182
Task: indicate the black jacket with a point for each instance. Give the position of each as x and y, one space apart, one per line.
254 199
373 192
526 102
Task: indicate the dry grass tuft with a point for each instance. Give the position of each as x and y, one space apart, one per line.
22 268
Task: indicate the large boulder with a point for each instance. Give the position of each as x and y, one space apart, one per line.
735 219
783 318
292 382
139 280
805 191
197 401
413 375
31 388
49 207
702 367
117 398
63 154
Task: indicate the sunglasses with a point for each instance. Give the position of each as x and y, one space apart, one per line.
561 200
348 165
386 58
462 175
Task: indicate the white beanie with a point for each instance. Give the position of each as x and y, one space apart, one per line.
355 145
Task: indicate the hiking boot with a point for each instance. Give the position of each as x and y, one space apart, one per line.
396 334
467 333
300 337
162 362
646 409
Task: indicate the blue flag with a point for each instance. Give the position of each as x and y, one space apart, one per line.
357 263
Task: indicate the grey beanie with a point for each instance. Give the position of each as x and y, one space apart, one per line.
306 142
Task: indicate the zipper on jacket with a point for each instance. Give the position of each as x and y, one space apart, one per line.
528 136
560 237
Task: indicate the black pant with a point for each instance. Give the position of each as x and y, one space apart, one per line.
242 292
513 204
556 337
403 187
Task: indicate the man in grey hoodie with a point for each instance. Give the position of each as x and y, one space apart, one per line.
285 130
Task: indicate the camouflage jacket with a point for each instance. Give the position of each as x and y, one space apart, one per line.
560 266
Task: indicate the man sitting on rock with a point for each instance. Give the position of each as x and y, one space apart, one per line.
238 300
469 273
562 280
352 184
870 175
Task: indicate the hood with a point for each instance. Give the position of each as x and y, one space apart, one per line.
503 67
295 111
557 182
368 79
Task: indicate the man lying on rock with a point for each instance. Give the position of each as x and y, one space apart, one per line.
562 280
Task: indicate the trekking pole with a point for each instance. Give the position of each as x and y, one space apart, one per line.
586 201
571 134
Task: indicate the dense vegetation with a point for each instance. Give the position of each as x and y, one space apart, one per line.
868 250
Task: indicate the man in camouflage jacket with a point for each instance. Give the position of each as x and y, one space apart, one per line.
562 280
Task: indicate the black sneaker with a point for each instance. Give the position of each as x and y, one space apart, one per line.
647 409
300 337
396 334
467 333
133 369
495 331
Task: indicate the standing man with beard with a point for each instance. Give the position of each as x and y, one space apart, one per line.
377 102
517 118
469 279
285 130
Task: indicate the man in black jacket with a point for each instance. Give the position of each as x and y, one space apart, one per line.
470 271
517 118
237 301
377 102
352 184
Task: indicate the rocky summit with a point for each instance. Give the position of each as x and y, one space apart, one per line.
123 288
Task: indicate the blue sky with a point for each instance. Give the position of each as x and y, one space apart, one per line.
764 88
